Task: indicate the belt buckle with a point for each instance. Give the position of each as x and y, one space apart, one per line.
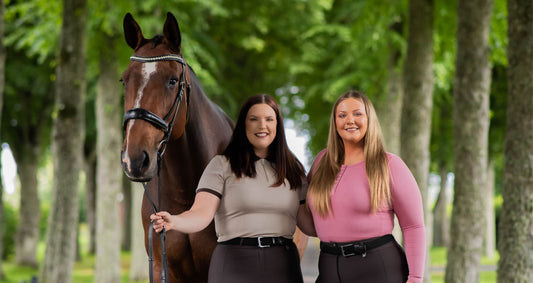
261 245
347 253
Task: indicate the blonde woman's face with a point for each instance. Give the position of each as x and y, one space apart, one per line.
351 121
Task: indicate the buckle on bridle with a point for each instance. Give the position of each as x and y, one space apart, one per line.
259 244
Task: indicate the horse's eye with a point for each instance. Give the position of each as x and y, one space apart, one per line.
172 82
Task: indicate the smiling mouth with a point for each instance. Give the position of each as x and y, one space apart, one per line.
352 129
261 135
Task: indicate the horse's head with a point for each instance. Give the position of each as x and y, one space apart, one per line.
156 95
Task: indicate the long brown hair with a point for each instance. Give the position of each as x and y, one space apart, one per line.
377 166
241 155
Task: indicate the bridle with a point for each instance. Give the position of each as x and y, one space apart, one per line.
160 123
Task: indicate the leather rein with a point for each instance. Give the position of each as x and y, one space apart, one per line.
160 123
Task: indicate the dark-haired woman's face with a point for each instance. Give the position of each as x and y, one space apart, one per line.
261 126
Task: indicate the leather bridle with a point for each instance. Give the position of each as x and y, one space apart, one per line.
160 123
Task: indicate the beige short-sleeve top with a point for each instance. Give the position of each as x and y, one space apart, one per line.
250 207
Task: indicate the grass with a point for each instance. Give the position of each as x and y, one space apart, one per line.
438 264
84 270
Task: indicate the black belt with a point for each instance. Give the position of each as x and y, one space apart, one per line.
354 248
262 242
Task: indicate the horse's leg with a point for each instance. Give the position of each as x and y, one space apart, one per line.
300 239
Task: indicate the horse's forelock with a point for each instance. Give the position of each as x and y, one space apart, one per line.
158 39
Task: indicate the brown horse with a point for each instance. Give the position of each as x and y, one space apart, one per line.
169 115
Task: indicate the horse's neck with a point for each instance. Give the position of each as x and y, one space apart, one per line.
206 134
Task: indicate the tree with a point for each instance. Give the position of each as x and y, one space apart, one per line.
109 175
2 82
139 259
67 145
27 123
418 99
515 241
471 125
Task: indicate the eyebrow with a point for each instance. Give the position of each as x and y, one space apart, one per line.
340 111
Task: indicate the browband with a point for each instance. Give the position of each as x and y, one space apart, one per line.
169 57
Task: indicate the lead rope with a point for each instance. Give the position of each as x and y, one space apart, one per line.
162 235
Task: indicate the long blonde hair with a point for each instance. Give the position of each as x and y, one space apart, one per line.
377 165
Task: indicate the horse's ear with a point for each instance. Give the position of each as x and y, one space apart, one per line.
171 31
132 32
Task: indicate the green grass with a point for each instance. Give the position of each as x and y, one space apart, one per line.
84 270
438 259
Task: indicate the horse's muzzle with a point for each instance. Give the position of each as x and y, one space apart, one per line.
138 168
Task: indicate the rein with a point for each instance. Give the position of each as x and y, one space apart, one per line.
160 123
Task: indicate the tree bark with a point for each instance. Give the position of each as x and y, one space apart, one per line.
139 259
471 125
418 99
515 241
127 217
108 171
489 240
67 145
441 223
389 107
27 236
90 199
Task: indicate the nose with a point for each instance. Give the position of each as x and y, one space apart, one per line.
137 167
350 119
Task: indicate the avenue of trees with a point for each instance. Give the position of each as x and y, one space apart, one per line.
452 82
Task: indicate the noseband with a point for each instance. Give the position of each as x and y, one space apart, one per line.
160 123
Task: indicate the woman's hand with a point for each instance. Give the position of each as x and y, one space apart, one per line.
162 220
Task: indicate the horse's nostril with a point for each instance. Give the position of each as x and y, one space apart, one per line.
146 161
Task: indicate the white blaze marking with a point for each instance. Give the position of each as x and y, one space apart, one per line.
148 69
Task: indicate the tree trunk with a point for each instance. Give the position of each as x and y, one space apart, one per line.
127 217
489 241
471 125
441 223
389 107
515 241
2 82
90 199
139 259
67 145
418 99
27 236
108 171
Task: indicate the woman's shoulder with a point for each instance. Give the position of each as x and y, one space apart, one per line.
219 160
321 154
395 161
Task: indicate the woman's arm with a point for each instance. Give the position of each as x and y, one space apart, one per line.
305 222
194 220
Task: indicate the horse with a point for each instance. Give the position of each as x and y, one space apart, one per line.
171 132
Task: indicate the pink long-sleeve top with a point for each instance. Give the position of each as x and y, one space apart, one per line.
352 220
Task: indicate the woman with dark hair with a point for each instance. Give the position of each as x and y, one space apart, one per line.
355 189
256 193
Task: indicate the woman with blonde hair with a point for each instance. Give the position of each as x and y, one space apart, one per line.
355 189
